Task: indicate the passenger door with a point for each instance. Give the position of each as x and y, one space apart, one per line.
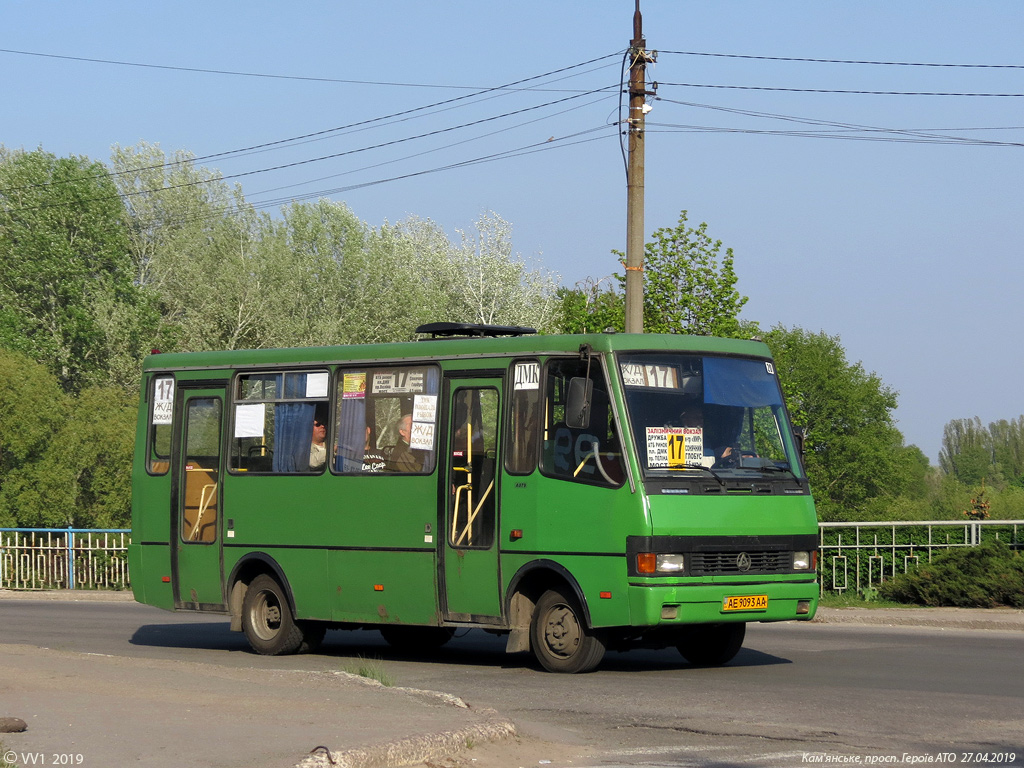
196 530
470 549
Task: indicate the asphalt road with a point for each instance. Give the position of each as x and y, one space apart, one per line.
796 691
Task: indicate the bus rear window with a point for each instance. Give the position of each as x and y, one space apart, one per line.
161 414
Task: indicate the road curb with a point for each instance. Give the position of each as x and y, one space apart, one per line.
1000 619
414 749
72 595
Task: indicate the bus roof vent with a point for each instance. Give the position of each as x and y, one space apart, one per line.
472 330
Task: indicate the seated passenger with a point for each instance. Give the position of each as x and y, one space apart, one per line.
318 448
402 458
373 459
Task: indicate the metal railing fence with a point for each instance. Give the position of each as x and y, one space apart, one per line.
855 556
64 558
860 556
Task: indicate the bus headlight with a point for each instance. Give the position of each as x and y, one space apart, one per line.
649 562
670 563
801 561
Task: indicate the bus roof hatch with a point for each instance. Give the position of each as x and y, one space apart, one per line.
472 330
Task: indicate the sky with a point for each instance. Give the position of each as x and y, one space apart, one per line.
863 195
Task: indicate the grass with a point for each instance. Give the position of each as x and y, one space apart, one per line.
4 763
851 599
369 668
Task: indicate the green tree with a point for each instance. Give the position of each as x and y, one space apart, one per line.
66 282
226 277
1008 448
481 280
317 255
195 243
689 287
966 452
592 306
32 408
855 457
64 459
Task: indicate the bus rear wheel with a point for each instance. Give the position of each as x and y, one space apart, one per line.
711 645
559 635
267 620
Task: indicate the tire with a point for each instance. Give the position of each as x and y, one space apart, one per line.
711 645
412 639
267 619
560 638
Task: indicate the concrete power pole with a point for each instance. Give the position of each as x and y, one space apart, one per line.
638 109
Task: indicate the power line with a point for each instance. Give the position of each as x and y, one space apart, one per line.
322 133
528 149
238 73
430 151
845 61
900 137
924 136
333 156
838 91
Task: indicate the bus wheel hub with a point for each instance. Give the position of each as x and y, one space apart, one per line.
562 633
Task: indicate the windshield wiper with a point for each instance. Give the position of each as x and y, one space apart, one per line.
714 474
776 468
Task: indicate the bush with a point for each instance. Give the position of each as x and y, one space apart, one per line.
986 576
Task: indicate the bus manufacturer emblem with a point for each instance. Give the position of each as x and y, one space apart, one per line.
743 561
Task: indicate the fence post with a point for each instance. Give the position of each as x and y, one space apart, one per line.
71 558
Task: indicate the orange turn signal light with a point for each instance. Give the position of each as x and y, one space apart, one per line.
646 562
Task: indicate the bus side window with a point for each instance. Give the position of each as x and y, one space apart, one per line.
280 422
161 411
591 454
523 434
385 420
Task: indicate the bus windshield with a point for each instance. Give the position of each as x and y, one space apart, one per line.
702 414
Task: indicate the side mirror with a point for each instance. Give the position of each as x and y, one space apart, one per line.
577 403
800 433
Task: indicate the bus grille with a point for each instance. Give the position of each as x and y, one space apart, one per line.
714 563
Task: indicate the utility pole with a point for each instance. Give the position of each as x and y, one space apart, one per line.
638 109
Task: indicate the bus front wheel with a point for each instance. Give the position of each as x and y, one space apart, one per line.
559 635
711 645
267 620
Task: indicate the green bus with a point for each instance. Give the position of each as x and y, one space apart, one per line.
576 493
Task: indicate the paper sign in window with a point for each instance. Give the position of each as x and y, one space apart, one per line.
422 436
249 419
353 385
317 383
163 401
656 376
674 447
527 376
424 408
399 382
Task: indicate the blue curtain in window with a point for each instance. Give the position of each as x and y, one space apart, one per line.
293 428
351 434
732 381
